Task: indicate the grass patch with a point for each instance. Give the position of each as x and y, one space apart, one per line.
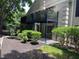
59 53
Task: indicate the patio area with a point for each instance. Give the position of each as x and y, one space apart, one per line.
14 49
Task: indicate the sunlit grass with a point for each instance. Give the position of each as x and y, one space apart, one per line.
59 53
50 50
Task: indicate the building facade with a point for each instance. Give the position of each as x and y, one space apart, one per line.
48 14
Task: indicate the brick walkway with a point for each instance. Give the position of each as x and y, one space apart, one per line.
13 49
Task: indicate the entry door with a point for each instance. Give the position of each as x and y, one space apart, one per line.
37 26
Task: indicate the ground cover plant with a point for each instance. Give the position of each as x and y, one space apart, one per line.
59 53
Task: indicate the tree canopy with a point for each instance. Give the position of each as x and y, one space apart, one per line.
9 6
11 10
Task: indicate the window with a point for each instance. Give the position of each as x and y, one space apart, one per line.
77 8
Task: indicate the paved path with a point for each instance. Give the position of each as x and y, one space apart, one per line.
12 44
13 49
47 41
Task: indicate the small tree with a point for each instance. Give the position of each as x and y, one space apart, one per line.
74 33
68 32
8 7
60 32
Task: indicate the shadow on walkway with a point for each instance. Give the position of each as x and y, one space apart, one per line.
35 54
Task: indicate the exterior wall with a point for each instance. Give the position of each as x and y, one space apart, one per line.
76 13
39 5
63 17
65 8
76 21
67 13
62 8
50 3
66 17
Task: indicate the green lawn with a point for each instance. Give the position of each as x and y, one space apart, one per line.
59 53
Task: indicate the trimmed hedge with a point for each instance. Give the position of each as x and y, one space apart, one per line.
29 35
68 32
36 35
23 37
62 31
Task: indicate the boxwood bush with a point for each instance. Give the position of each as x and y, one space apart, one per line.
23 37
26 35
36 36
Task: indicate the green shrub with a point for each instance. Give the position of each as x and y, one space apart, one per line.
23 37
74 34
62 31
17 32
28 33
36 36
68 32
